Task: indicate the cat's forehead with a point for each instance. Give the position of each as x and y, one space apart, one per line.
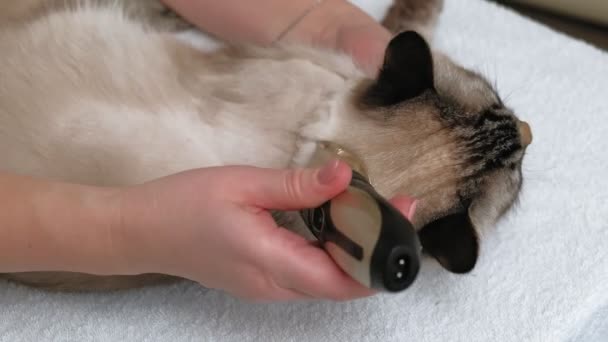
464 87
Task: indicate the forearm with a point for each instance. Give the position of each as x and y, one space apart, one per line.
262 21
52 226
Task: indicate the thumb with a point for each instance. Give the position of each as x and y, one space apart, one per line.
294 189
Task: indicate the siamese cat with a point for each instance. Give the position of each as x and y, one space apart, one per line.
103 93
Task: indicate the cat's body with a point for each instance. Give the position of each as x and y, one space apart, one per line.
147 105
91 96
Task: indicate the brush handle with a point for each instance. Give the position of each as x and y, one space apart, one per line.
367 237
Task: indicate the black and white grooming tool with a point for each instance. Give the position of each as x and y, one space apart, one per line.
362 232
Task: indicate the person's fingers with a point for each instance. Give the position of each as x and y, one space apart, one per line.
290 189
296 264
405 204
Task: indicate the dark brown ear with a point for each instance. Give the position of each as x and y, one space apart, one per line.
407 71
452 240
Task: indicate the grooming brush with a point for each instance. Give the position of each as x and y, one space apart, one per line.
363 233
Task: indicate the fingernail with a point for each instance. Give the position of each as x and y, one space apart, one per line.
327 174
412 211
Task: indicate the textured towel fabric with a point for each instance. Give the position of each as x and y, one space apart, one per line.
543 273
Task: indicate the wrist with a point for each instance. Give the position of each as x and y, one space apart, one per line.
133 230
232 21
145 230
319 25
339 25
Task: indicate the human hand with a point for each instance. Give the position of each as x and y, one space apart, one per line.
340 25
212 226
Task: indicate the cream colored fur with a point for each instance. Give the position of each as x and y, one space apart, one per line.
142 105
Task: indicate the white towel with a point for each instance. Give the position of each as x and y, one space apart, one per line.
543 272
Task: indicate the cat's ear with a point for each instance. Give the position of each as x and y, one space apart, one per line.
407 71
453 241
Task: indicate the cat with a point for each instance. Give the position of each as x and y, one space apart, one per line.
103 93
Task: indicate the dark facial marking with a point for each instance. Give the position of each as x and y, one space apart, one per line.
452 240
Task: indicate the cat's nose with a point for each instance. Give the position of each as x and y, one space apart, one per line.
525 133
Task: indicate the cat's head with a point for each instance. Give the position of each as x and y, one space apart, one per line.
428 128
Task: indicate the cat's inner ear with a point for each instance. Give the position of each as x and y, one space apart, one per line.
453 241
407 71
